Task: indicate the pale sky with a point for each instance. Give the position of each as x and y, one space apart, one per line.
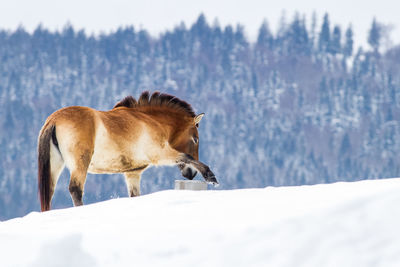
157 15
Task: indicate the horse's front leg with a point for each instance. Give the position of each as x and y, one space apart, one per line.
208 175
132 180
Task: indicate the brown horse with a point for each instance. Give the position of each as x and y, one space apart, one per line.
155 130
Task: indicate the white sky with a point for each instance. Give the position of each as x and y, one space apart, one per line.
157 15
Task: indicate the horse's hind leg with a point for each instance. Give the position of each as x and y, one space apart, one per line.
76 187
78 176
132 180
75 135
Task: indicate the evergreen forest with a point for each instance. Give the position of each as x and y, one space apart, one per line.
299 105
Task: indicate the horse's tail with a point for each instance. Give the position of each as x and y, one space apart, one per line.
47 133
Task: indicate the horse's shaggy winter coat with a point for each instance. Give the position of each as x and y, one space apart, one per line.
155 130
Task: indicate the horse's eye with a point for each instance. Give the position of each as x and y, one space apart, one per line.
195 139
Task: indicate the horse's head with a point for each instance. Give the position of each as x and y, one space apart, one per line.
188 143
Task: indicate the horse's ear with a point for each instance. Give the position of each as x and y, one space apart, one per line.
198 118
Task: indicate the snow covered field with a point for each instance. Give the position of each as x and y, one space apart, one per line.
343 224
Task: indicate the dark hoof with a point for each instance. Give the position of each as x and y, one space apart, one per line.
213 181
210 178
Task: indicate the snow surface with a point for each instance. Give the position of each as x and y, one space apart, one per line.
341 224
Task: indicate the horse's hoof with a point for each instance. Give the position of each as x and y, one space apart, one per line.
214 183
212 180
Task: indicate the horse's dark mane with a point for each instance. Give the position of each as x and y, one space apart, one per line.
128 102
157 99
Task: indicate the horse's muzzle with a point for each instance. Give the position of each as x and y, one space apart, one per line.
188 172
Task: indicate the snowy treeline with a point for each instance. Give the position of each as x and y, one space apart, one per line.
299 106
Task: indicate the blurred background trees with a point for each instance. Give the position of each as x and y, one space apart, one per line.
302 105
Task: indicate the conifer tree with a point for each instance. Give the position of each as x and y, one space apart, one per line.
265 37
374 36
313 29
324 35
297 36
348 45
336 46
282 27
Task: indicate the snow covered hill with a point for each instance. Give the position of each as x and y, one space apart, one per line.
342 224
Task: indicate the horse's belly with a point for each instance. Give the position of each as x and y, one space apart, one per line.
114 163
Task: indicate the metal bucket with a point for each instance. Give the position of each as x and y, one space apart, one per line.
190 185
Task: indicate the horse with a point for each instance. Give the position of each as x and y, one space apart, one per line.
157 129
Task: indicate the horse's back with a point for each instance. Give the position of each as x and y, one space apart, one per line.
112 141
